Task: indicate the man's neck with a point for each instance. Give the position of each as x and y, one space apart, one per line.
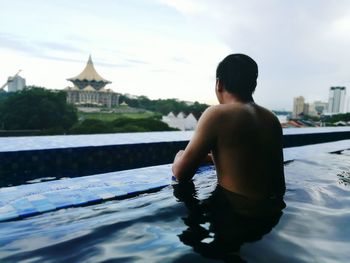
229 98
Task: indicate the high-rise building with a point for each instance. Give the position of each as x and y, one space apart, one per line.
298 106
336 103
15 83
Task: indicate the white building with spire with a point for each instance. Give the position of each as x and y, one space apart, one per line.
89 89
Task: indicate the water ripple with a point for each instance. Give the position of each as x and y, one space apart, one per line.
147 228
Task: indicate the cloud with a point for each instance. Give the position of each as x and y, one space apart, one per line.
158 70
47 50
58 47
181 60
136 61
16 43
34 48
183 6
300 46
113 65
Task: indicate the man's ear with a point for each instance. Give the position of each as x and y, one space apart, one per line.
219 85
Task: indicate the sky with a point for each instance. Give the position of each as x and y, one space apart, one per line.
171 48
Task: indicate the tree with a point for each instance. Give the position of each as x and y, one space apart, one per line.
37 108
164 106
92 126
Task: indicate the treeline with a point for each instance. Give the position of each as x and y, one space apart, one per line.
164 106
328 120
92 126
337 117
36 108
279 112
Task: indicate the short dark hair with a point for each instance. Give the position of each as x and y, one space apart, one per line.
238 74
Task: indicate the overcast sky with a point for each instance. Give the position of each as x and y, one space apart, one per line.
170 48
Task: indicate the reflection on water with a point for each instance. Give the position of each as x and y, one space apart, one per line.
220 224
344 177
153 227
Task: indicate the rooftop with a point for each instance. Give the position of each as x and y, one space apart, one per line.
89 74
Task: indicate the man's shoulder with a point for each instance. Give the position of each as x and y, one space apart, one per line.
269 114
223 108
221 111
270 119
213 111
239 111
216 112
211 117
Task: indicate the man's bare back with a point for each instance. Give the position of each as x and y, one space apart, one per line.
248 153
245 142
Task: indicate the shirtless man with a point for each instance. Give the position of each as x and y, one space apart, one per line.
243 139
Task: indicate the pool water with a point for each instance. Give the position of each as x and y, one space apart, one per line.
314 226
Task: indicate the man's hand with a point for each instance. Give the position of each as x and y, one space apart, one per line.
208 159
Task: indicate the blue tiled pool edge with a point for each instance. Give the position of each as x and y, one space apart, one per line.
25 165
23 201
27 200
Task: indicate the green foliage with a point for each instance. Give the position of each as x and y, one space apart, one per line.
37 108
52 131
281 112
4 95
165 106
148 124
337 117
103 116
311 118
92 126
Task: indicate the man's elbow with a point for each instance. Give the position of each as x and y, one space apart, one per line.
178 173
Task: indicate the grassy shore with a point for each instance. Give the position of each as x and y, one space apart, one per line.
110 116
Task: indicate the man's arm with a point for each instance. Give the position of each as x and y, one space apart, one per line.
186 162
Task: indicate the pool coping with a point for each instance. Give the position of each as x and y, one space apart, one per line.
157 148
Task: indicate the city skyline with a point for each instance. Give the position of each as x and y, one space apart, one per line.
338 103
170 49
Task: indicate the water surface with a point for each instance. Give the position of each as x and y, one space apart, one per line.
148 228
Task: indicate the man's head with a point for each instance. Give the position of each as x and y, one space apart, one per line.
238 73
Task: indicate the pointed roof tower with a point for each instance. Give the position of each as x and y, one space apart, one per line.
89 77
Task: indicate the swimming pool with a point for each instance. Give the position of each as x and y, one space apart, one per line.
150 227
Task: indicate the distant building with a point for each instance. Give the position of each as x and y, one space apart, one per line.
181 122
306 110
190 122
320 107
89 89
310 109
316 108
298 106
336 103
15 83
